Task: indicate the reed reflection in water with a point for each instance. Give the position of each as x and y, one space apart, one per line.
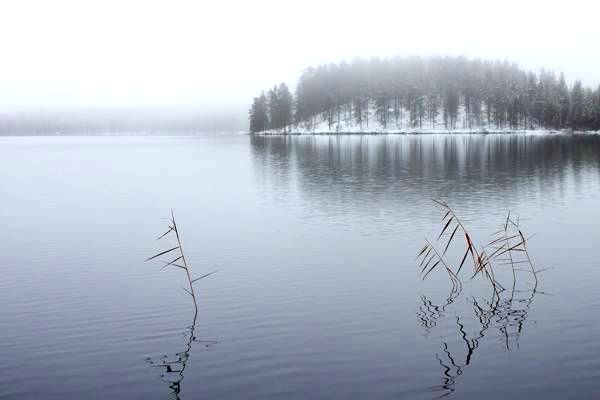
173 366
505 320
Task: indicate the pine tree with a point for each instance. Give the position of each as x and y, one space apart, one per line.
284 107
273 103
576 111
259 120
564 100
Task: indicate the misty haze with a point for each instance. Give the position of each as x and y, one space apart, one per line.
299 200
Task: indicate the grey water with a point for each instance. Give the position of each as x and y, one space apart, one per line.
317 293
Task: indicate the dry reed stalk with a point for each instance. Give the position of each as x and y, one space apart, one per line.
179 261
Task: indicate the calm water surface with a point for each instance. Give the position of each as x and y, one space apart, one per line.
317 293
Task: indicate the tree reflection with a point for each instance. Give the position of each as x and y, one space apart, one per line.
367 174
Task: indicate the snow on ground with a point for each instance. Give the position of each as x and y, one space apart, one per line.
347 125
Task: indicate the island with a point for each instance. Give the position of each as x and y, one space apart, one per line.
425 95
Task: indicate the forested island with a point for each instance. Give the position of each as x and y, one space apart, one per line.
415 94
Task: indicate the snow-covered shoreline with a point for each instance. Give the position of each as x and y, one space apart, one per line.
344 124
427 132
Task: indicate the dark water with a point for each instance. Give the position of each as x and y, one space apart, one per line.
317 293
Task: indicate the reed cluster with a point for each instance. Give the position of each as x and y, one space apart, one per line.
507 247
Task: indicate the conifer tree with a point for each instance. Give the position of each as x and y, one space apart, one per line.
259 120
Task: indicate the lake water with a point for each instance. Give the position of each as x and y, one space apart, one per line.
317 294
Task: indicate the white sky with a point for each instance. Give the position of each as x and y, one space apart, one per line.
218 54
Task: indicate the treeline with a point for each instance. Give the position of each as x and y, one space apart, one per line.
273 110
450 92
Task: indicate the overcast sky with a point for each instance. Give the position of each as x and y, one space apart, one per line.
218 54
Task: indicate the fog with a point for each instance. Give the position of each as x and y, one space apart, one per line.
215 56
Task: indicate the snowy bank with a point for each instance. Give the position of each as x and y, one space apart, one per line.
345 124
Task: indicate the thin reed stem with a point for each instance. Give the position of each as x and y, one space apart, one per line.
184 264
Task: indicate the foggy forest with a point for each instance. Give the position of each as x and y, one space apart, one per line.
438 93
